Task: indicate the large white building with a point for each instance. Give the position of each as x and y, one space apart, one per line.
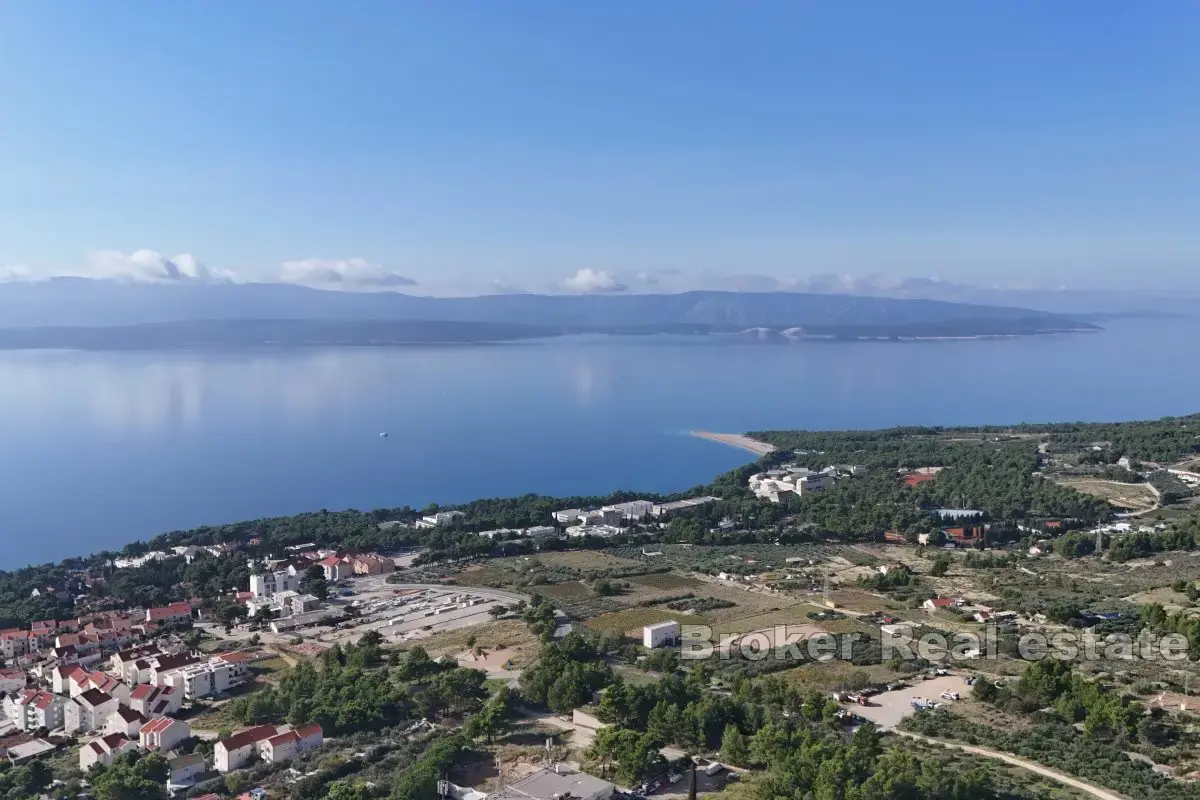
662 634
440 518
633 510
89 711
30 709
206 679
268 584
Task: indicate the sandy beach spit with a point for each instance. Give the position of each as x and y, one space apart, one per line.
737 440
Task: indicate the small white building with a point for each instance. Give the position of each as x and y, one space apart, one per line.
283 746
662 634
240 749
183 771
12 679
150 701
126 722
103 750
163 734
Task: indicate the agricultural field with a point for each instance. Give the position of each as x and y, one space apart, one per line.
795 614
631 620
665 580
572 590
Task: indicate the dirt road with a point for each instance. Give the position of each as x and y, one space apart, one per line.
1045 772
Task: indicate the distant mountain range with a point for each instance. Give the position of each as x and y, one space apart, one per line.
73 312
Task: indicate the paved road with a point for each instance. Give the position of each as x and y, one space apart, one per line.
1046 772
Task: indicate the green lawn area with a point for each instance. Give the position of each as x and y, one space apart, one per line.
269 669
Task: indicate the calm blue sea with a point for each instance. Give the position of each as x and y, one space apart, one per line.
97 449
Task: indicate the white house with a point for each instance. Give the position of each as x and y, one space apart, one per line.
89 711
662 634
61 677
184 770
103 750
30 709
336 568
240 749
568 516
281 747
133 665
163 734
12 679
126 722
149 700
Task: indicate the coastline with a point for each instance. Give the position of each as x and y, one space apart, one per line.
736 440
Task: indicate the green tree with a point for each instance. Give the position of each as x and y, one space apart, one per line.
313 582
733 747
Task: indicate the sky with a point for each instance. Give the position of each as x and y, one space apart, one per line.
462 148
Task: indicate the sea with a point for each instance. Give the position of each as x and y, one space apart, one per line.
98 449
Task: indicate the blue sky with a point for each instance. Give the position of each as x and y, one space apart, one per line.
474 146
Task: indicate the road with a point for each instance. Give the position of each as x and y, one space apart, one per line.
1045 772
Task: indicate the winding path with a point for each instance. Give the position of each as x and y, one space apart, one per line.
1045 772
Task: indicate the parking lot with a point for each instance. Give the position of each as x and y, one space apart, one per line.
889 709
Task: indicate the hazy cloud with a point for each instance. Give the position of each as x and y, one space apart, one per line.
591 281
347 273
147 265
16 272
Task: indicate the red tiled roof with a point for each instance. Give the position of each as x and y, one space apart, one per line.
166 612
233 658
114 741
943 602
248 736
283 738
330 561
310 730
157 725
141 691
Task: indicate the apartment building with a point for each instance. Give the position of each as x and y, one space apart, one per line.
30 709
207 679
89 711
268 584
150 700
